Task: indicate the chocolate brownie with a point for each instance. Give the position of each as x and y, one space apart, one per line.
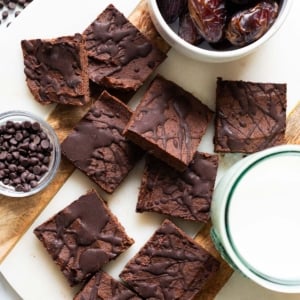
250 116
171 265
185 194
83 237
169 122
56 70
97 147
103 287
120 56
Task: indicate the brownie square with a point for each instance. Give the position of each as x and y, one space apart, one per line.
56 70
170 266
169 122
250 116
103 287
83 237
120 56
97 147
186 194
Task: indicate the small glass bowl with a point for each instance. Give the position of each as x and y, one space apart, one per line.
19 117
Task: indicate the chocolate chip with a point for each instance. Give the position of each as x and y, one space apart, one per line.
45 144
11 5
4 14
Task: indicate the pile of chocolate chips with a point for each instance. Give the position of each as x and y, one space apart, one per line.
11 8
25 153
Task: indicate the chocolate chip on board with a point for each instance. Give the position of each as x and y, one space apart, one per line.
25 152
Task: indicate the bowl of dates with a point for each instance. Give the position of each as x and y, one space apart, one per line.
217 30
29 154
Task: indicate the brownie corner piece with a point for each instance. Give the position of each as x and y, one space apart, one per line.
172 265
56 69
169 122
185 195
97 147
106 288
250 116
83 237
120 56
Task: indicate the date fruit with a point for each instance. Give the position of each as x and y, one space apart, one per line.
187 30
171 9
249 25
210 18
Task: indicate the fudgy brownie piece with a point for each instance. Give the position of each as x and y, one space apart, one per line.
56 70
170 266
186 194
103 287
169 122
97 147
120 56
250 116
83 237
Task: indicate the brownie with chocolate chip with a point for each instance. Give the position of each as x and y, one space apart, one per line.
120 56
104 287
169 122
97 147
171 265
186 194
250 116
83 237
56 70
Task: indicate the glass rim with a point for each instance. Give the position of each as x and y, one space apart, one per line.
242 262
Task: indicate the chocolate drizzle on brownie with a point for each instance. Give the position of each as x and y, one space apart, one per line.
169 266
97 146
83 237
120 56
169 122
56 70
103 286
185 194
250 116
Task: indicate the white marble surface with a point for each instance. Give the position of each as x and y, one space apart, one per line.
28 268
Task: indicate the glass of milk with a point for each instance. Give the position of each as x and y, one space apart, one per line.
256 217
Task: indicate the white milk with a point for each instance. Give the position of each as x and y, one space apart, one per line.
264 218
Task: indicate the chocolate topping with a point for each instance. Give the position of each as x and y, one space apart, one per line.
169 122
169 266
56 70
103 287
250 116
97 147
83 237
185 194
119 55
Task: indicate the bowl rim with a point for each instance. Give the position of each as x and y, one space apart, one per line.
218 55
56 153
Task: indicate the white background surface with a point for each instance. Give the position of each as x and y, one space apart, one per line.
28 268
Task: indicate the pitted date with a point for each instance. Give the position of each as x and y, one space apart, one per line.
171 9
249 25
210 18
187 30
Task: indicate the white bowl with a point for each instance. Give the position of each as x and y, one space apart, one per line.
216 56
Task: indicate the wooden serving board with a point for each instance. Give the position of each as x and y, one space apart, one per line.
16 216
